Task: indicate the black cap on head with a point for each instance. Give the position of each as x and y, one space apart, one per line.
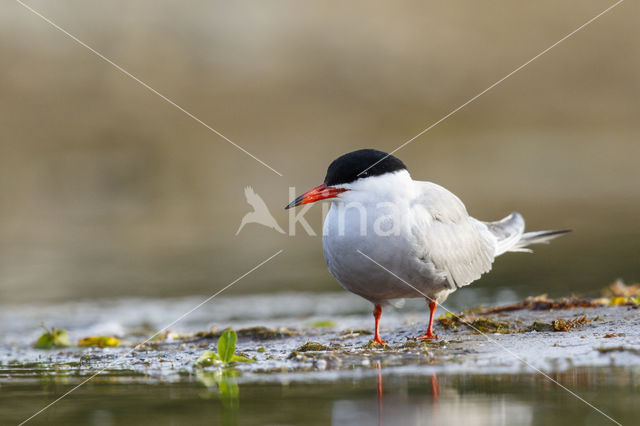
361 164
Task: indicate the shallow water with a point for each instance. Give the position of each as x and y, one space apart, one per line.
463 377
474 399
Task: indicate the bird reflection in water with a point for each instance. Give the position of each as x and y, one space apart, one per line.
380 392
435 392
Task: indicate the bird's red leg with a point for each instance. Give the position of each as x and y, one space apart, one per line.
377 311
429 334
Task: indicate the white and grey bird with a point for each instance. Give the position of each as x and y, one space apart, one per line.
388 236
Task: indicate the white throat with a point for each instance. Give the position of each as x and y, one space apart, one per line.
375 189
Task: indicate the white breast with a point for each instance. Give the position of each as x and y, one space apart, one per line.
418 230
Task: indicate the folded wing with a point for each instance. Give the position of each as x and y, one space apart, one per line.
447 239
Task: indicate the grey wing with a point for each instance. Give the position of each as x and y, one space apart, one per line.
449 241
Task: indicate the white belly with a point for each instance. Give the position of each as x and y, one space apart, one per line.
394 248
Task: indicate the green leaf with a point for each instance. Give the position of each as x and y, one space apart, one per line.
54 338
238 358
45 341
227 345
208 358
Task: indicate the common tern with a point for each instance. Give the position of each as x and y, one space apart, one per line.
387 236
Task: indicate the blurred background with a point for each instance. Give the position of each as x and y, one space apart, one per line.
106 190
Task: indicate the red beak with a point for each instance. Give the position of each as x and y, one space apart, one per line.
320 192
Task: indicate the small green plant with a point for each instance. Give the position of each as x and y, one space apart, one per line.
225 351
223 378
54 338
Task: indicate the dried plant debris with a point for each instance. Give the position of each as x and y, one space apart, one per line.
372 344
480 325
538 326
616 294
265 333
410 344
99 341
569 324
256 333
559 324
213 332
313 347
486 325
449 321
543 303
619 289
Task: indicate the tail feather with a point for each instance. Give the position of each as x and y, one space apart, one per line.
538 237
510 235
